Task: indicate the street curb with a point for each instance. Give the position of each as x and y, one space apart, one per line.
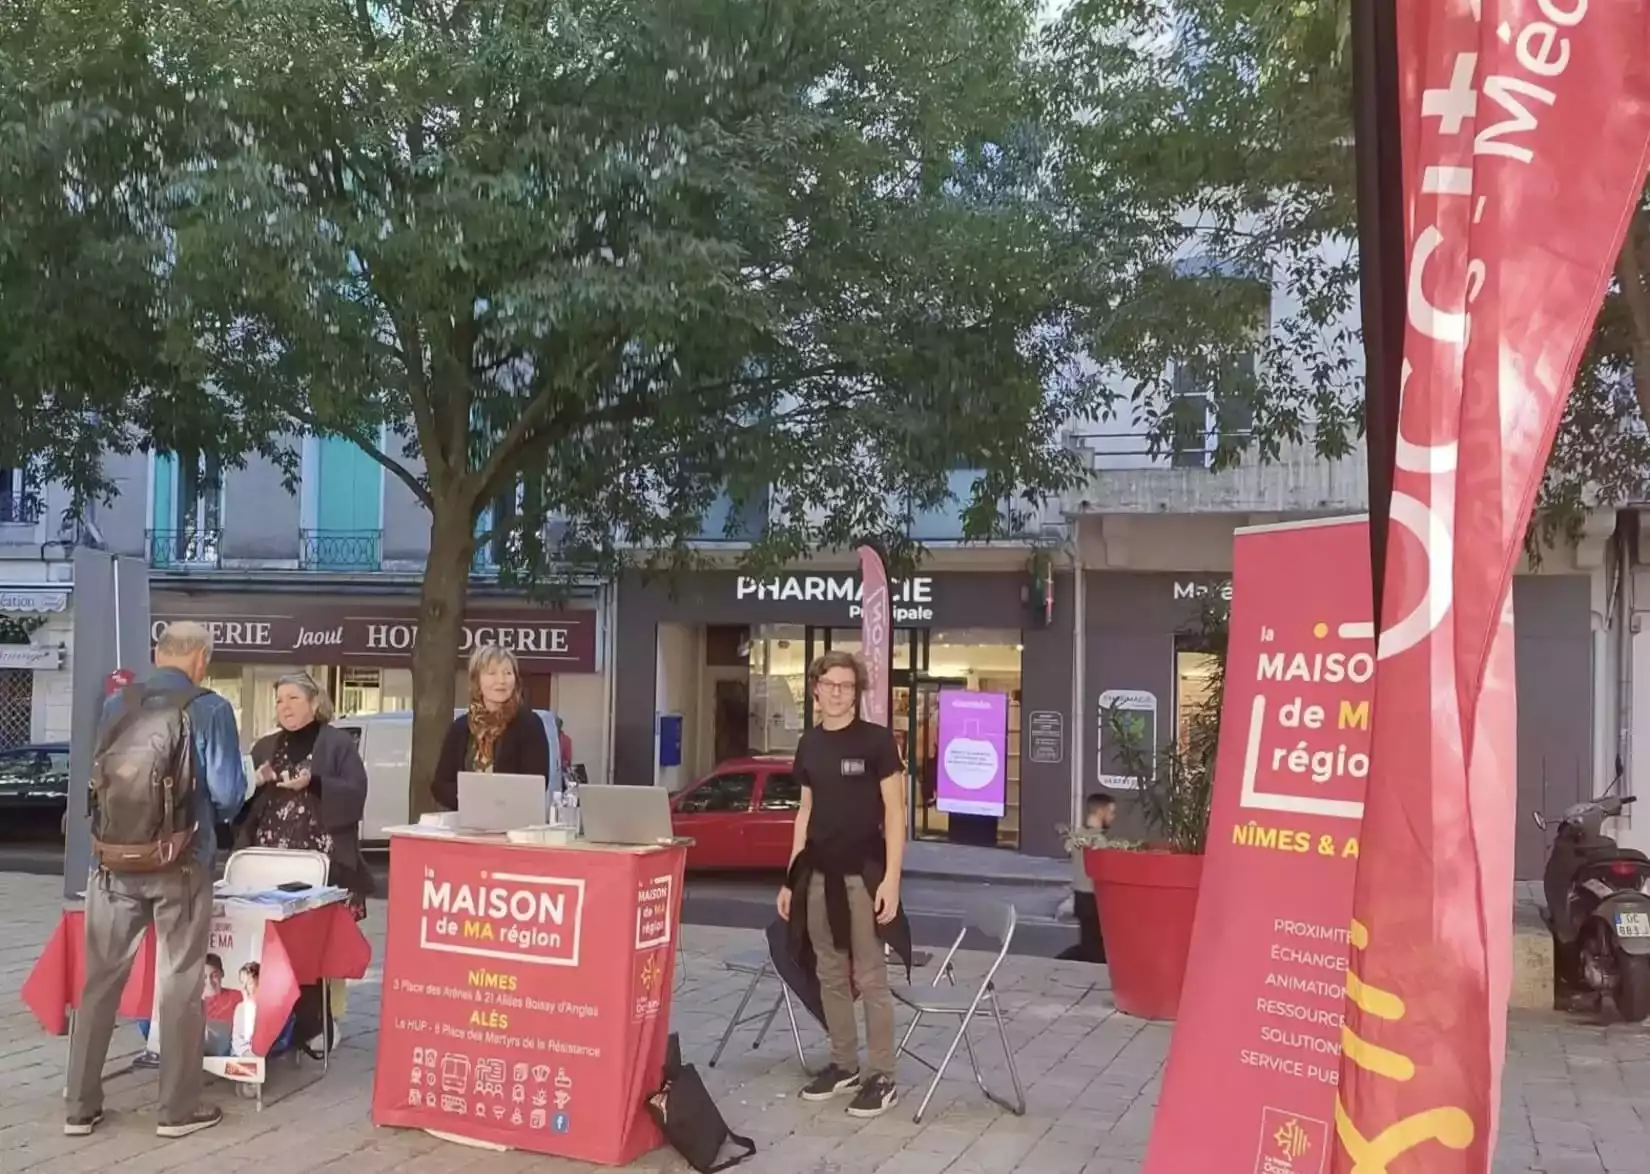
1048 882
27 866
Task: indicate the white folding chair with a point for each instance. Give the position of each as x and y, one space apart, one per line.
759 965
268 868
995 920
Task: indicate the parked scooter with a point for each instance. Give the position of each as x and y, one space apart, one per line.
1598 910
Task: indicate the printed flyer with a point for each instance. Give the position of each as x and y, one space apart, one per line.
230 993
1255 1059
527 994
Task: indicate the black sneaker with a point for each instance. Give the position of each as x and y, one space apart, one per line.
147 1060
876 1097
82 1126
204 1118
832 1082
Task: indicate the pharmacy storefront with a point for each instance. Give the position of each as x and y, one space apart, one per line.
712 667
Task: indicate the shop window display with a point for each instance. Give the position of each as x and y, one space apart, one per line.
776 688
1194 673
757 679
971 659
250 691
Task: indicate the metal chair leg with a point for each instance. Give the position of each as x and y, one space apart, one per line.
767 1021
939 1070
734 1020
1018 1108
909 1032
796 1035
974 1062
326 1026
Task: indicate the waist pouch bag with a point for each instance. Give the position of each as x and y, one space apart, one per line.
690 1120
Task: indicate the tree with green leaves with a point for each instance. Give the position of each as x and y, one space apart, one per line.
1221 130
606 260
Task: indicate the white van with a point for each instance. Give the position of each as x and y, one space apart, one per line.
385 742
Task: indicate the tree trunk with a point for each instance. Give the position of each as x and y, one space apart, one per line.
440 631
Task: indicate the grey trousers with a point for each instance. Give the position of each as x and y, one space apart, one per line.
118 911
839 971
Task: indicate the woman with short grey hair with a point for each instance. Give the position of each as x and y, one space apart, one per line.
312 786
312 790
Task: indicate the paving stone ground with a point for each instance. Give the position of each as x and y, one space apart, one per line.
1577 1098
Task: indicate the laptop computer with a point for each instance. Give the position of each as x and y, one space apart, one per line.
499 802
615 814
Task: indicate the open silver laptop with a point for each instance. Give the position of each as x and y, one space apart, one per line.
614 814
499 802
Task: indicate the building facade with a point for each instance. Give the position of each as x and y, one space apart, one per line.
1152 530
723 657
325 576
659 680
1141 643
36 612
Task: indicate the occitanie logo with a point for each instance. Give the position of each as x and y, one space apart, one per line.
1293 1141
651 973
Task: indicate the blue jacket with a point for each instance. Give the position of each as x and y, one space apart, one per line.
220 775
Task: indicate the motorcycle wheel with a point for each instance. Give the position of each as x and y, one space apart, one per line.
1633 991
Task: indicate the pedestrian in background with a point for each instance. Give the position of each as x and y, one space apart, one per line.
1099 812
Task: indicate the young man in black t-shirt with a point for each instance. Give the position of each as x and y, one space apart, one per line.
851 822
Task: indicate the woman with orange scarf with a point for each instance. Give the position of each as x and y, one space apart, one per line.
500 733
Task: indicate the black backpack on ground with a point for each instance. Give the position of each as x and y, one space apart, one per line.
145 813
690 1120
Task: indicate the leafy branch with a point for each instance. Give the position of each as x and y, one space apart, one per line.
18 629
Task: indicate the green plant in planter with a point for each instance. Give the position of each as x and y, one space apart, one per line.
1177 783
18 629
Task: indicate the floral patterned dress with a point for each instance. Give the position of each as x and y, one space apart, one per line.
292 819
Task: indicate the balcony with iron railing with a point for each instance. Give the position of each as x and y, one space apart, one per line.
341 550
183 549
1211 470
19 509
734 523
944 522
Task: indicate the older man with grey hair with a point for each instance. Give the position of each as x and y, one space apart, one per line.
176 901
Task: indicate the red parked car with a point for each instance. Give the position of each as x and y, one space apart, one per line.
740 815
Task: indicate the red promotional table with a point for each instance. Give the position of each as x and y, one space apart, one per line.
527 992
305 948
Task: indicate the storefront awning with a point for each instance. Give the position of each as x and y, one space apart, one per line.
34 598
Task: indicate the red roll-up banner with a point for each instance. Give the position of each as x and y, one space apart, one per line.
875 634
1525 133
1255 1056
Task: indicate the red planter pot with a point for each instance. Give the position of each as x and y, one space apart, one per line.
1147 901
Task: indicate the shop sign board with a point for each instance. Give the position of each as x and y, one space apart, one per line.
31 657
912 599
33 602
299 631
